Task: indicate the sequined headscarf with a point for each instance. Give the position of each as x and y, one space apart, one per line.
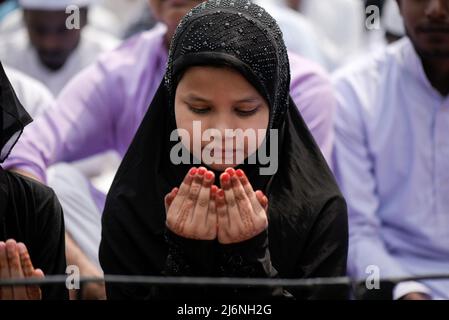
241 35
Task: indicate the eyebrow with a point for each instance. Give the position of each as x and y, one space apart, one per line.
195 98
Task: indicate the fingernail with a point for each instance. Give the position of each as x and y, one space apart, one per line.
230 171
239 173
225 177
193 171
201 171
214 189
22 248
209 175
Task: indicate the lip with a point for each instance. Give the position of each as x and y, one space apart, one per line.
441 29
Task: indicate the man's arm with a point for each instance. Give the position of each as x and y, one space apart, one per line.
80 125
90 291
313 94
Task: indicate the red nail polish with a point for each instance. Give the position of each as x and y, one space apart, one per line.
214 189
193 171
239 173
230 171
209 175
201 171
225 177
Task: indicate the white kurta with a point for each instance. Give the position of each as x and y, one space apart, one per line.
341 25
33 95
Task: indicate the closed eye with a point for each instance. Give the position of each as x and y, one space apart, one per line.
199 110
247 113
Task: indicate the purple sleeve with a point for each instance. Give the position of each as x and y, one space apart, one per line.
313 94
81 124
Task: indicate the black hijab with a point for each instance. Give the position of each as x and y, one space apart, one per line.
29 211
307 215
13 119
13 116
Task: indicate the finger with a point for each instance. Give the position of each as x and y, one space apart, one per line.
222 211
194 192
5 292
231 203
263 200
203 201
184 203
15 269
184 188
257 207
244 205
25 260
212 213
168 200
38 273
34 292
28 270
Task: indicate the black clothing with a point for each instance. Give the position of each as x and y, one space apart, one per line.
29 211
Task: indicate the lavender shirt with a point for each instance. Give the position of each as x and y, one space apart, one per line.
102 107
392 164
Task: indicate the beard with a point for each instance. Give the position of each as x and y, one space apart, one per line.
438 48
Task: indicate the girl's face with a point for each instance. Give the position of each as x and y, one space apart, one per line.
220 99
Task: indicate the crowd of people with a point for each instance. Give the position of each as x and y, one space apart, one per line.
356 92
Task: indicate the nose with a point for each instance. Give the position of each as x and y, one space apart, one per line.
50 42
437 10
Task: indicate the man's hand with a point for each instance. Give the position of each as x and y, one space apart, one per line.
15 263
91 290
26 174
191 208
242 213
416 296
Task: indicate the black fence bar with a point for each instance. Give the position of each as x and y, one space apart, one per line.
207 281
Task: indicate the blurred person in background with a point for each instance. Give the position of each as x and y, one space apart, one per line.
6 7
391 155
46 49
387 28
133 16
299 34
340 25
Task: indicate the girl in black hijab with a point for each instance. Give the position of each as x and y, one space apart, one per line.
30 215
215 224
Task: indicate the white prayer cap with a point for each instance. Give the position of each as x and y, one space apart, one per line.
53 4
392 19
